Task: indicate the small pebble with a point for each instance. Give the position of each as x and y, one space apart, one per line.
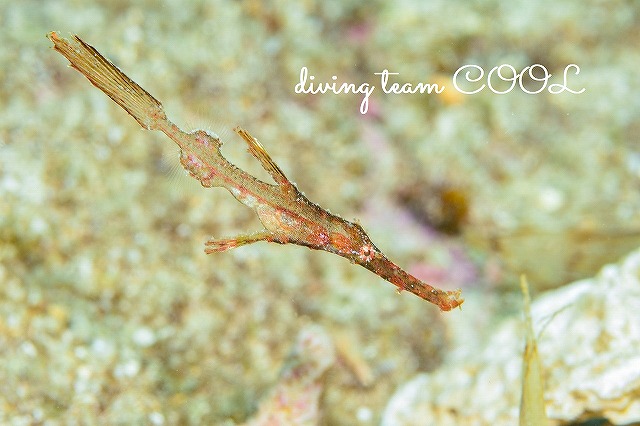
144 337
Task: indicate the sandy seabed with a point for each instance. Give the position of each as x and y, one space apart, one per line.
111 313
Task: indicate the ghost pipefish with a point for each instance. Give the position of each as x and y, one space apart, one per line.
287 215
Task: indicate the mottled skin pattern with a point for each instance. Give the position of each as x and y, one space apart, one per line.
287 215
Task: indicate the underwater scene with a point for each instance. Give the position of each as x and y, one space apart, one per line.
235 212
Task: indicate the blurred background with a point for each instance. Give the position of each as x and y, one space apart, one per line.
110 312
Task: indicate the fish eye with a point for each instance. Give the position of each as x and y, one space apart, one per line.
366 253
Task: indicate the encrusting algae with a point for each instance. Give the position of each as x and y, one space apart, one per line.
295 398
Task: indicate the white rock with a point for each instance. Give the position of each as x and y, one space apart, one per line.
589 345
